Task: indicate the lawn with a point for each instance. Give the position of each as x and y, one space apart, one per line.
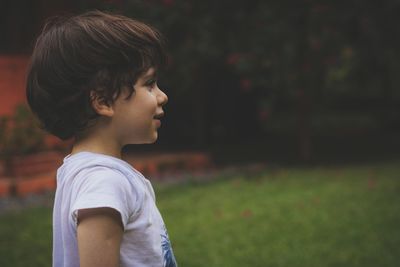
324 216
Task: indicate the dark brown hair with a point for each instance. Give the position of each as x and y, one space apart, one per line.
73 56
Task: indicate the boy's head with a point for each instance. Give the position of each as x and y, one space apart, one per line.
95 54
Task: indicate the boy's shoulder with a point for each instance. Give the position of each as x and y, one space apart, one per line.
85 163
92 172
87 158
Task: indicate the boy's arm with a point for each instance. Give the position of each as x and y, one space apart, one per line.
99 237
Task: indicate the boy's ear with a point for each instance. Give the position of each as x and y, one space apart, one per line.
100 105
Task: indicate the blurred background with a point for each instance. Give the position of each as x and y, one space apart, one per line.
300 81
265 85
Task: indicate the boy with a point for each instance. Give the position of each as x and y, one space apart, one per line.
93 77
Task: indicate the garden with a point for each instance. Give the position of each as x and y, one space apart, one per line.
277 216
289 112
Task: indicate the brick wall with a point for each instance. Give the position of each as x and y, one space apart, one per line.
12 82
13 70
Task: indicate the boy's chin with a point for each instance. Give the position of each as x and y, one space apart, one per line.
149 141
153 138
149 138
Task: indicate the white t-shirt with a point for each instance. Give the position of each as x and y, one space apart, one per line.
91 180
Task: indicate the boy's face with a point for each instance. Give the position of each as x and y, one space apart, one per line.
135 119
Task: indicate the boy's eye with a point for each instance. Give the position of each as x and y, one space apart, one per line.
151 83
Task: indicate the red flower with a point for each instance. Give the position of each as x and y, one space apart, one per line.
232 59
329 61
245 85
264 115
300 92
168 2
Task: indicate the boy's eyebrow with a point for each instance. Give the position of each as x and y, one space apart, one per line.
153 74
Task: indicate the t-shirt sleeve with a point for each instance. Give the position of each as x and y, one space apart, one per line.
104 188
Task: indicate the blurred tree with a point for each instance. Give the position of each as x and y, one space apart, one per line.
238 61
241 70
19 135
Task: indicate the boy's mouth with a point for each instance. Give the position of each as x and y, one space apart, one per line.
159 116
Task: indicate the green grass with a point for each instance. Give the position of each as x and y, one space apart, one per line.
25 238
344 216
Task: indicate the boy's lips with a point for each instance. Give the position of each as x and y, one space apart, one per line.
159 116
157 119
158 123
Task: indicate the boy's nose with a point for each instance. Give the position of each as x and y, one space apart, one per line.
162 98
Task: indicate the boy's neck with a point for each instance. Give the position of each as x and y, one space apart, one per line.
97 144
78 148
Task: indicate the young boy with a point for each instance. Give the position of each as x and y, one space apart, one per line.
93 77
